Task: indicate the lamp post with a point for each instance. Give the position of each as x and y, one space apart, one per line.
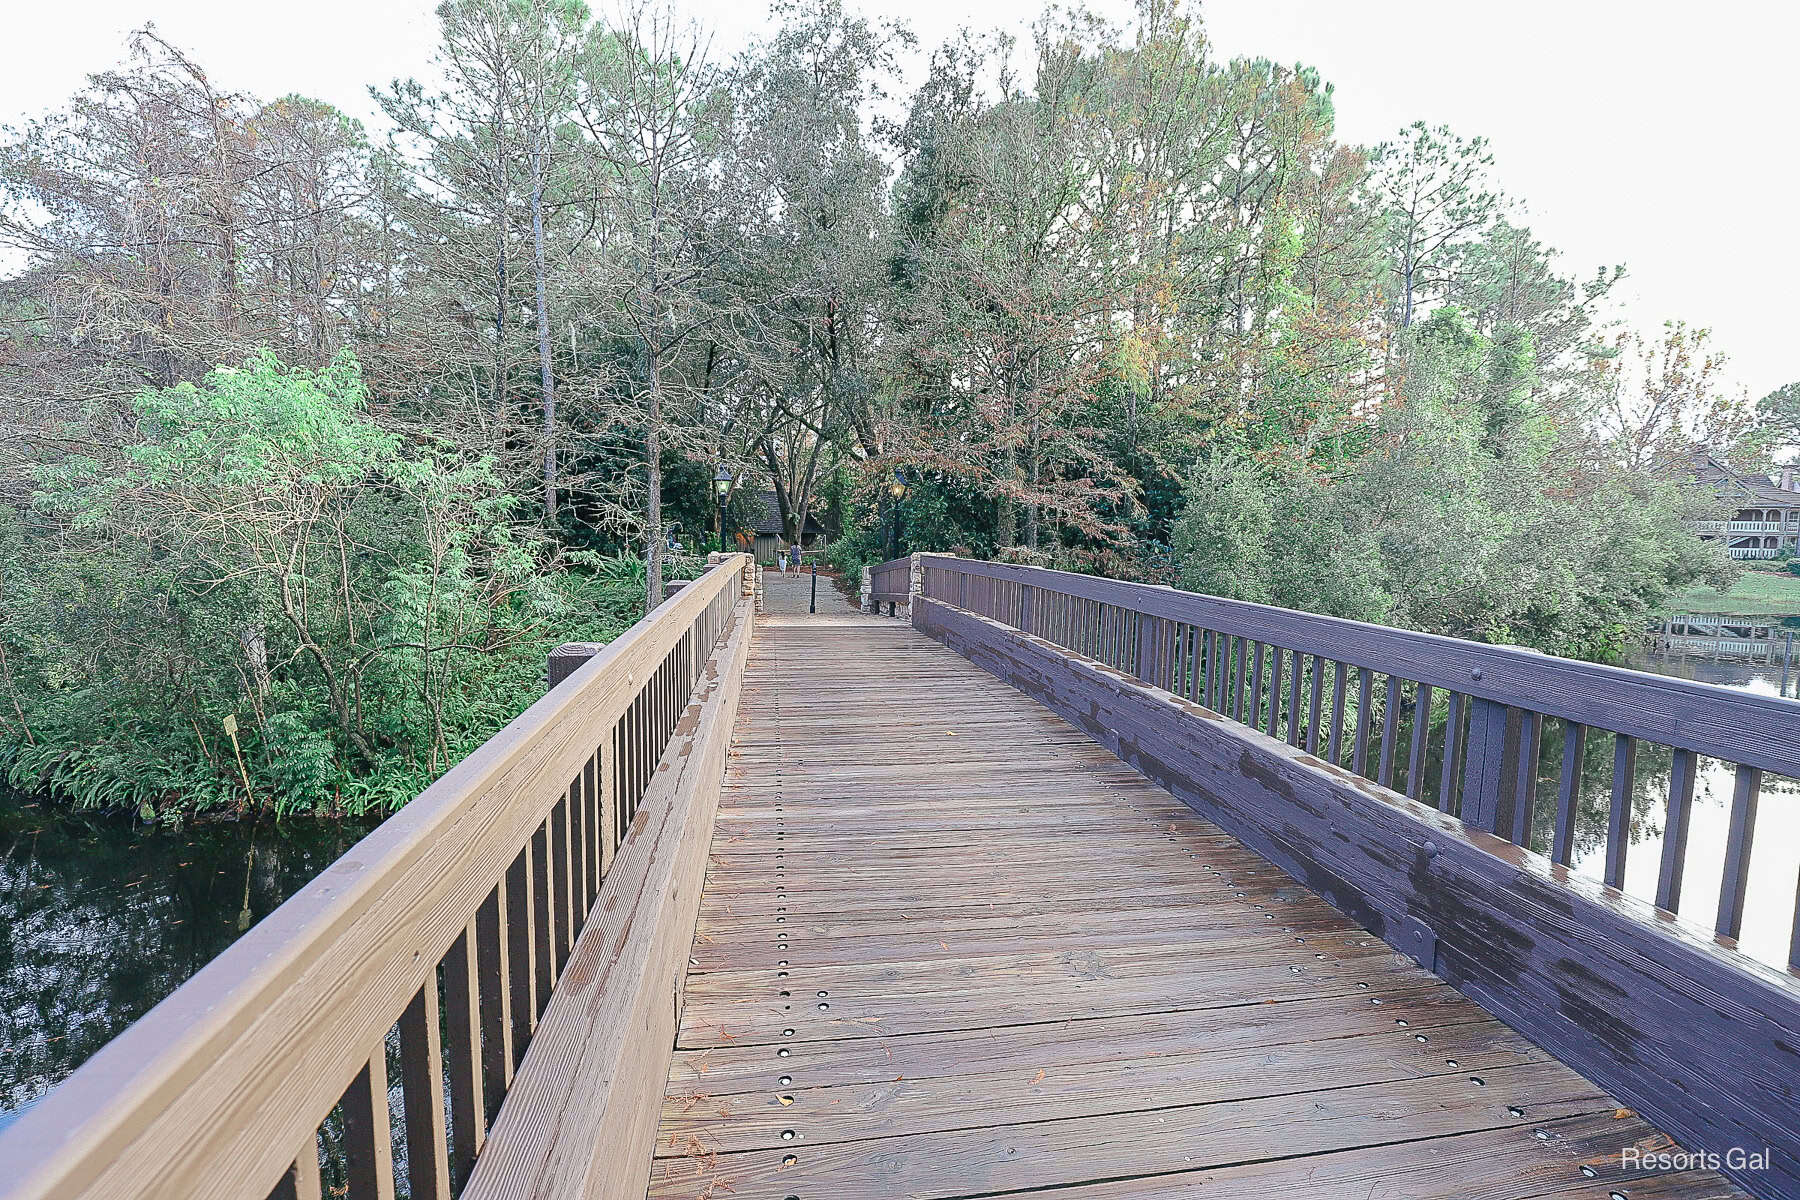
896 493
722 489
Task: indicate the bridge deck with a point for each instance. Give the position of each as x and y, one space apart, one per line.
950 947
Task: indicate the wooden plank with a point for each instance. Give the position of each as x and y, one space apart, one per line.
903 1106
1015 1157
736 1067
1492 1164
1674 1022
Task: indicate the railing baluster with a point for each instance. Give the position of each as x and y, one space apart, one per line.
1145 651
1390 731
1421 738
522 974
1313 703
1256 687
562 900
1675 830
543 938
301 1180
1339 680
1294 686
1618 813
462 1029
495 994
368 1134
1531 742
1365 701
1735 884
1568 791
1239 654
578 852
591 819
422 1095
1452 752
1273 728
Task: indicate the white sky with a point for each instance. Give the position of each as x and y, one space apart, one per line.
1657 133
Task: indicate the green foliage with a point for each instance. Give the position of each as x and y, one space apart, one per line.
264 557
1463 516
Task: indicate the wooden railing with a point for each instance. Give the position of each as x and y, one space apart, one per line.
1331 685
439 939
1324 767
890 584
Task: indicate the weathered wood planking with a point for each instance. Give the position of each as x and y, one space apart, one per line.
1703 1041
948 949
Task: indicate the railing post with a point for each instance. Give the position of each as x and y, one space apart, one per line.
567 659
867 596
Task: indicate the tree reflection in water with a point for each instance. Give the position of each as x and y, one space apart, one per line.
100 919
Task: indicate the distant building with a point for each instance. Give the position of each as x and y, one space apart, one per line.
768 533
1768 511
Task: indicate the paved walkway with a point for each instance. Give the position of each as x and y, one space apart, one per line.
949 947
789 593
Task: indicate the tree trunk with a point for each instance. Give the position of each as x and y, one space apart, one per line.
543 330
653 560
1031 509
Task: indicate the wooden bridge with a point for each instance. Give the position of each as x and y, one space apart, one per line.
1064 886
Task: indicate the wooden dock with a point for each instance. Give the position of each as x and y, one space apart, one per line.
949 946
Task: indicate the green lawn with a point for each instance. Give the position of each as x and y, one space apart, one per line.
1757 592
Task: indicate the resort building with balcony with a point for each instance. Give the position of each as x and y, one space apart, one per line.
1767 520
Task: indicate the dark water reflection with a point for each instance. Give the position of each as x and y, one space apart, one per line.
1769 902
100 919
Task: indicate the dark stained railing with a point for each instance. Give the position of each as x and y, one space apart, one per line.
471 900
890 584
1365 696
1322 766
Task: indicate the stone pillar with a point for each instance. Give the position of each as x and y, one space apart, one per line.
867 596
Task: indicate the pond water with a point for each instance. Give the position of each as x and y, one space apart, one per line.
100 918
1775 847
